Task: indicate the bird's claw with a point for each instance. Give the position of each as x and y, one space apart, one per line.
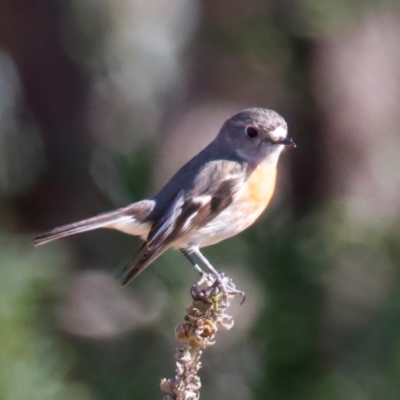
219 289
228 289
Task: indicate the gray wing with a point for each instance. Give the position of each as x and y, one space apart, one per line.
193 205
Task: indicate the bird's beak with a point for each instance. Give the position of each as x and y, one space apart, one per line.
288 142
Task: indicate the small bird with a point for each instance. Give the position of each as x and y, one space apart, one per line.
217 194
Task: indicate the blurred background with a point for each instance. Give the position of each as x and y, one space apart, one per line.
100 102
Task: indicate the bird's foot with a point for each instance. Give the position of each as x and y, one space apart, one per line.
225 285
219 289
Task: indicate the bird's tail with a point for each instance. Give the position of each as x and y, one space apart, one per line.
128 219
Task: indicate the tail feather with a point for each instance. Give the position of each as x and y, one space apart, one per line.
99 221
131 219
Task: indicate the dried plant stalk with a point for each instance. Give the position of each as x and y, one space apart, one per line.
204 318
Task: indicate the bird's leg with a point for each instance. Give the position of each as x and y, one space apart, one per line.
226 290
192 261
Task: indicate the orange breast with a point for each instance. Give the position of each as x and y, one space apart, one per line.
260 187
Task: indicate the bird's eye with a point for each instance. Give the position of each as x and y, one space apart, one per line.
251 132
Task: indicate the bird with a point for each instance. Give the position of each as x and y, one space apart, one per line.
214 196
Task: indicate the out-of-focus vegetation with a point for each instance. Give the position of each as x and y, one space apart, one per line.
100 102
